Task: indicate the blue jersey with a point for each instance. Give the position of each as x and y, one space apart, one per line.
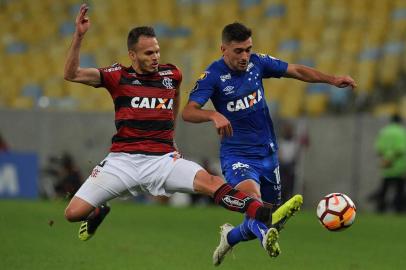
239 96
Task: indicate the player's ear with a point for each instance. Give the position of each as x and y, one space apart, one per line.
222 48
131 54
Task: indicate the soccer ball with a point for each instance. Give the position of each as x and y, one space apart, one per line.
336 212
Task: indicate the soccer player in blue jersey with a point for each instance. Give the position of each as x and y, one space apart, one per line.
248 152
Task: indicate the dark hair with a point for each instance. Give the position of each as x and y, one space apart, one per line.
135 34
235 32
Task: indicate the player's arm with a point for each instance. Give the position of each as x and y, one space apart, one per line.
73 72
176 100
194 113
176 103
175 114
308 74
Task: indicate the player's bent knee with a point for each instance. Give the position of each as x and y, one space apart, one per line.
78 209
70 214
73 214
250 188
253 195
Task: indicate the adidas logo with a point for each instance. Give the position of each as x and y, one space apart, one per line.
136 82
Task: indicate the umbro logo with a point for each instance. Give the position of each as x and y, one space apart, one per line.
228 90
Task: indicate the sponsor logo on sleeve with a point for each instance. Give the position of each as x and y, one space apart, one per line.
225 77
203 76
111 69
165 72
263 55
195 87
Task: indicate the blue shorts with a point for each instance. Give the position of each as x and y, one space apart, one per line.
264 171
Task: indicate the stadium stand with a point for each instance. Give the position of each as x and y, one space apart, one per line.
363 38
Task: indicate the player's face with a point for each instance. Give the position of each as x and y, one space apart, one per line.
237 54
145 55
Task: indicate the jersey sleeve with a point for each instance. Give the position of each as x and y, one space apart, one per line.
203 89
178 76
110 76
271 66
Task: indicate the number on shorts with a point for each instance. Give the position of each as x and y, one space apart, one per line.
277 175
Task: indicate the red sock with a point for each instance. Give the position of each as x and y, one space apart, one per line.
238 201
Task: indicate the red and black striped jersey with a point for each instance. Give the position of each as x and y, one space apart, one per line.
143 108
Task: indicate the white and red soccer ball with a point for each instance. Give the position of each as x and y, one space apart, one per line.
336 211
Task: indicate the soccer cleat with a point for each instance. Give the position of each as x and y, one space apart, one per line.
270 242
224 247
88 227
285 211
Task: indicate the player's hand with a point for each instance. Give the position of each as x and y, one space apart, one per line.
82 21
177 151
223 126
344 81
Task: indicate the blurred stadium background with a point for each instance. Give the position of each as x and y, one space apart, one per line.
42 116
364 38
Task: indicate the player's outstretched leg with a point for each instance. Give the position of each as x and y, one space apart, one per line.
285 211
224 247
270 242
88 227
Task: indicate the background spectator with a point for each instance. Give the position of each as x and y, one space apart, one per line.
391 148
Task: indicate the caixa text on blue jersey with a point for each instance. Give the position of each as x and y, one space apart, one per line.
245 102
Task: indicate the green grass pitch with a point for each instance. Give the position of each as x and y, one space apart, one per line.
162 238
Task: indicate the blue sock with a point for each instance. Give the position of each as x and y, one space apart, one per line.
248 230
240 233
256 228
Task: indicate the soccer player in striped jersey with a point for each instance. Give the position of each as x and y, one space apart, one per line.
143 156
249 156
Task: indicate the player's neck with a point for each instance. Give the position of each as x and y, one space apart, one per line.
140 71
228 64
233 69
